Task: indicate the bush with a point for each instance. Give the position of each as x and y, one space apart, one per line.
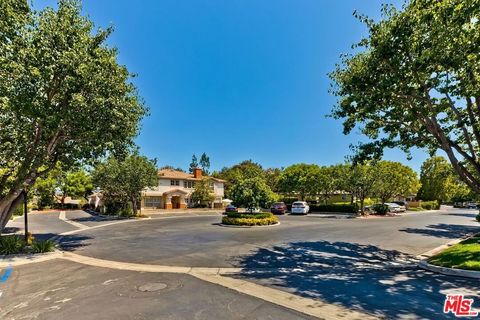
346 208
430 205
43 246
260 215
257 219
380 208
11 244
478 217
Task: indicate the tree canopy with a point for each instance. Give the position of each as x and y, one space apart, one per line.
393 179
438 180
203 193
302 179
122 180
414 82
252 193
63 95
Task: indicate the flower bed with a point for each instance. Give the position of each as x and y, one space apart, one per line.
250 219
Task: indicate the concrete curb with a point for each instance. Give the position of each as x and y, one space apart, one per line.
247 227
449 271
21 259
423 263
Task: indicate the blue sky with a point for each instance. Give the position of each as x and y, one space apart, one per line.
238 79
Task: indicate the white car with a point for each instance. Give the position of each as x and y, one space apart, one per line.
300 207
395 208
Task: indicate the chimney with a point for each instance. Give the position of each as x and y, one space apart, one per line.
197 173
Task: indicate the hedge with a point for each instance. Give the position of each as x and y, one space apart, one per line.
430 205
345 208
259 215
259 219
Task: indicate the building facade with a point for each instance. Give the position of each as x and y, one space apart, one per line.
175 189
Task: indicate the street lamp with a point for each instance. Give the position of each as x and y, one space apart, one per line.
25 209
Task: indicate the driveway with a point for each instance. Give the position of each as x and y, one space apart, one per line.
366 265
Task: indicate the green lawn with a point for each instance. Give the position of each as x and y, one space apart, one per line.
464 255
416 209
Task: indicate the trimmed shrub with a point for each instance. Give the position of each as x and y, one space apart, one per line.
478 217
380 208
258 219
259 215
345 208
11 244
43 246
430 205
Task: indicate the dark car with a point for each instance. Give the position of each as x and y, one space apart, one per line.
278 208
231 208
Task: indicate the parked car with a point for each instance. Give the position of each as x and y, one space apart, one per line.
471 205
393 207
402 204
278 208
300 207
231 208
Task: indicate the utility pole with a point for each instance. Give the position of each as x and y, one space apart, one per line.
25 209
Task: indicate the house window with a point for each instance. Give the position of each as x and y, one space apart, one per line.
189 184
152 202
174 182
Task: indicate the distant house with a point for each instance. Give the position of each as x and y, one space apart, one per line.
175 189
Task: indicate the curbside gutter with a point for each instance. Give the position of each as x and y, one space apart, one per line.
449 271
423 263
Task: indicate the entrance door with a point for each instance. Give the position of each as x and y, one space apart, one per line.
176 202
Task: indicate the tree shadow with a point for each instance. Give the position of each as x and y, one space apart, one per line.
10 230
468 215
442 230
362 277
65 242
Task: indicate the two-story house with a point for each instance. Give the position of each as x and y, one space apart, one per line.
175 188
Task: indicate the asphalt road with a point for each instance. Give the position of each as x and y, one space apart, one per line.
199 241
59 290
361 264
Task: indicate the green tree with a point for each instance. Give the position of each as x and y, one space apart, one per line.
438 180
244 170
75 184
122 181
45 187
63 96
328 181
252 193
203 193
414 82
272 178
393 179
193 164
205 163
302 180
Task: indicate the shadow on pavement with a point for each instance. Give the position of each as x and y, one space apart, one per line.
65 242
73 242
355 276
442 230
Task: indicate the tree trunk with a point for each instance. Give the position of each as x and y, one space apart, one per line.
134 206
351 199
7 206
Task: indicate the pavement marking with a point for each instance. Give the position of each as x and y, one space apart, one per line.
62 216
6 274
312 307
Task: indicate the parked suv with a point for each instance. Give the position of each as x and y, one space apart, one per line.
278 208
300 207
